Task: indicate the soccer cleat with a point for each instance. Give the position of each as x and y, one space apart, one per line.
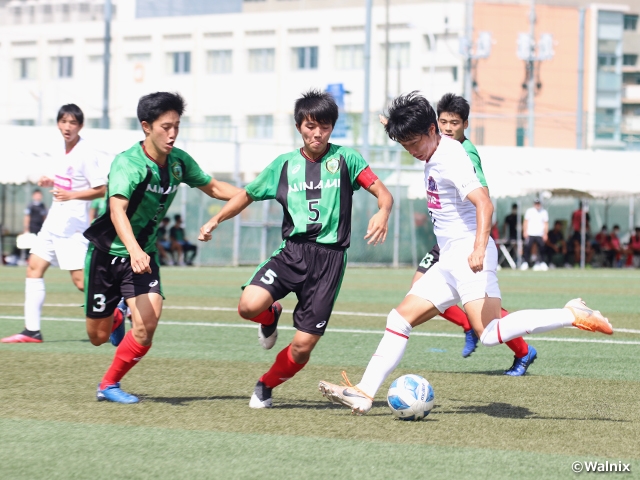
117 333
113 393
470 343
347 395
27 336
268 334
520 364
261 397
587 319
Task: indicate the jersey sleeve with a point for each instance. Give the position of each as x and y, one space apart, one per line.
93 170
477 164
356 164
464 176
193 175
124 176
265 186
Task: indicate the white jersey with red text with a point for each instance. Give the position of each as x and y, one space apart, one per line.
449 177
74 171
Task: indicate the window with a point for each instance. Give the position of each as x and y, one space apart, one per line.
629 59
630 22
27 122
260 126
132 123
606 60
218 127
139 57
398 55
25 68
93 122
180 63
349 57
262 59
305 58
64 67
219 61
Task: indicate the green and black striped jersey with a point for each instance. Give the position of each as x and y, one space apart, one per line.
315 196
150 189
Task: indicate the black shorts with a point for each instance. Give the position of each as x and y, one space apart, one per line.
107 279
429 260
313 272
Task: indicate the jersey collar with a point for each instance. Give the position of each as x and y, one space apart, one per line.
319 158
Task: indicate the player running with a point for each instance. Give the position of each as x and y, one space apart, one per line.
453 119
314 185
461 211
76 179
122 257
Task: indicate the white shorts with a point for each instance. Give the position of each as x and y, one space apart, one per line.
68 253
451 280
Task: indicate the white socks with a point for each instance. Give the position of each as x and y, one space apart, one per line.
34 294
525 322
388 355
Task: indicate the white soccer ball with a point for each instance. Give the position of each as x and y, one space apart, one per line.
410 397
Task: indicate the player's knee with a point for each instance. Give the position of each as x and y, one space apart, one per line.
249 309
301 352
98 338
490 337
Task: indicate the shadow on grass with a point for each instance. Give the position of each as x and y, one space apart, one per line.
506 410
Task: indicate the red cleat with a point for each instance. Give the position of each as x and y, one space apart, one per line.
21 338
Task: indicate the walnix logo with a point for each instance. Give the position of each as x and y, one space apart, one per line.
302 186
158 189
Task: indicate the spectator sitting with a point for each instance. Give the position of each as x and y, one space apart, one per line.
179 243
556 246
634 248
576 238
163 244
614 255
602 241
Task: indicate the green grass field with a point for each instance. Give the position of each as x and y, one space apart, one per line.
579 401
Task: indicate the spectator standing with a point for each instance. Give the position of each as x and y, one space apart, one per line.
35 213
576 237
534 230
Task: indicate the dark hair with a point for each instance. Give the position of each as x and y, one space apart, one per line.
317 106
409 116
166 219
616 226
514 205
151 106
73 110
452 103
36 190
177 217
558 222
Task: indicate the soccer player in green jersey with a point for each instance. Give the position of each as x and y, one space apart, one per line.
314 185
122 257
453 119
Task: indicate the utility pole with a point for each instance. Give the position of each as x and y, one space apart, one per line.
107 63
580 107
367 80
386 56
531 70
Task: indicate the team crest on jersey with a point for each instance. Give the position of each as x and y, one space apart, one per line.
433 198
176 171
332 165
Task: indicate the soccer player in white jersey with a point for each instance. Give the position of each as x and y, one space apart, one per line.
76 178
461 212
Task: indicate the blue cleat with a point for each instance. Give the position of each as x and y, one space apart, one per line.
470 343
118 328
113 393
520 364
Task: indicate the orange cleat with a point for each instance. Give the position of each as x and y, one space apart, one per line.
587 319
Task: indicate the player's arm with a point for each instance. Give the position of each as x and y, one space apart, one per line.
484 213
220 190
139 259
379 222
88 194
233 207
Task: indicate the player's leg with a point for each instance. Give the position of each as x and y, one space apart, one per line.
42 255
143 293
427 298
77 277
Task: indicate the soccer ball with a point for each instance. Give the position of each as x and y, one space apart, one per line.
410 397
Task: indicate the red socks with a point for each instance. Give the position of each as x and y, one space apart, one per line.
128 353
265 318
282 370
518 345
456 315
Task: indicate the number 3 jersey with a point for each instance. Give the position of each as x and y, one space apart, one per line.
150 189
449 177
315 196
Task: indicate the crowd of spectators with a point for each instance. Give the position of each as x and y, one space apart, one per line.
173 246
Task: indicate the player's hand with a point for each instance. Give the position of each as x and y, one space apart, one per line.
45 182
140 262
377 228
383 120
206 229
62 195
476 259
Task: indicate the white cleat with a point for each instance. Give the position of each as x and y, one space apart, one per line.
348 395
588 319
255 402
261 397
267 336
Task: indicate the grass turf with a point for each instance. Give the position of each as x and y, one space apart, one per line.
579 401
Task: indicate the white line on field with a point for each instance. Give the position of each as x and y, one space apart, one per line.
337 330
